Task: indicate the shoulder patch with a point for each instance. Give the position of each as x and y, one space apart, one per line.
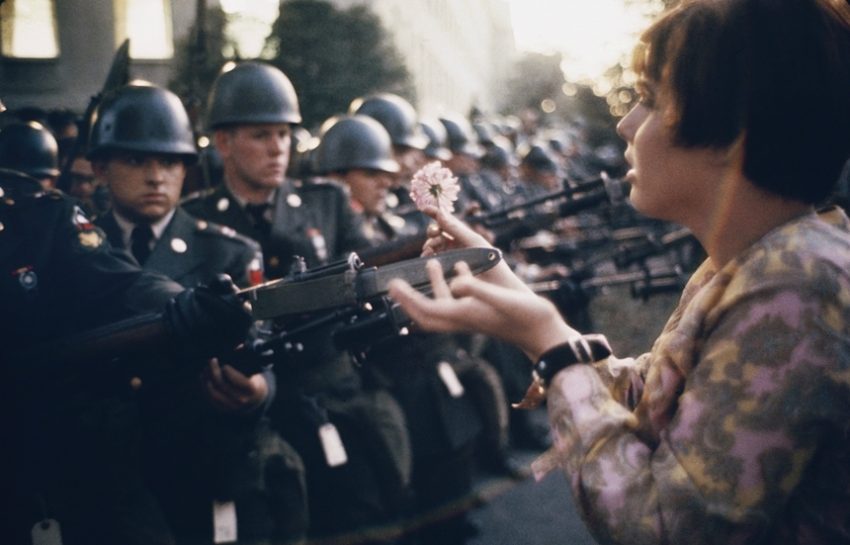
320 184
199 194
196 197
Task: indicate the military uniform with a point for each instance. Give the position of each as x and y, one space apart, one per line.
319 388
307 219
442 421
70 450
192 251
194 454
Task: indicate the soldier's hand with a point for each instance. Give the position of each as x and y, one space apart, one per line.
208 320
231 391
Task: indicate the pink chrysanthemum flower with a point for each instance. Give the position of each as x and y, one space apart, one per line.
434 185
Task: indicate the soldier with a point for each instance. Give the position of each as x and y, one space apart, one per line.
477 192
441 418
69 466
353 476
436 133
252 109
356 150
140 146
409 141
30 148
539 172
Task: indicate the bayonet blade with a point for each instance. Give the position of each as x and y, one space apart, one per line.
292 297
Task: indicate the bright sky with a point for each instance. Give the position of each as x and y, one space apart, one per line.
250 20
592 35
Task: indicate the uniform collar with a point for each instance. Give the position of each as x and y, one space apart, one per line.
127 226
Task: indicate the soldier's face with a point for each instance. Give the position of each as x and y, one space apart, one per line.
255 155
410 160
369 189
144 187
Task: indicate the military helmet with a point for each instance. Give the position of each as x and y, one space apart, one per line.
252 92
461 139
436 133
354 141
396 115
484 132
499 155
30 148
538 158
144 118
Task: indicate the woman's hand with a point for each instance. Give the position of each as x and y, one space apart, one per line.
469 304
450 233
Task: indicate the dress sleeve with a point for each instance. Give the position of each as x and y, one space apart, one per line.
741 435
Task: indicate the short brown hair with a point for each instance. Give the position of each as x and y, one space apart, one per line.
775 72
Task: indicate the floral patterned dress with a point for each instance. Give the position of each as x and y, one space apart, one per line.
735 428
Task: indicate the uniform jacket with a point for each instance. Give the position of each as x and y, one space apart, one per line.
192 452
61 276
312 220
192 251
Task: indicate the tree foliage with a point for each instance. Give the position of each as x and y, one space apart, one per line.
333 56
537 79
534 78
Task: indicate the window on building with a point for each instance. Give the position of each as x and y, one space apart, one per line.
148 25
28 29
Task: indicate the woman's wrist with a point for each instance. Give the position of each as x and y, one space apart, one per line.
553 333
577 349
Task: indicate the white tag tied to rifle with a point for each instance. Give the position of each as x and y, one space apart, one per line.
224 522
335 453
46 532
449 378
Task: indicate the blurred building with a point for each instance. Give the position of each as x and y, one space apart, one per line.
57 53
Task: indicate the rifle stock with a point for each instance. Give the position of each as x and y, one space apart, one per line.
145 334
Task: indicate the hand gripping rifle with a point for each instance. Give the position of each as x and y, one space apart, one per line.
346 295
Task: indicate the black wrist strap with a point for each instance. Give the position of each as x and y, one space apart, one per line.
585 349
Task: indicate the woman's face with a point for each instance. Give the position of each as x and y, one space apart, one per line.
668 181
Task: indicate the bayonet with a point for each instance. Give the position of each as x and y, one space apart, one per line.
118 75
357 284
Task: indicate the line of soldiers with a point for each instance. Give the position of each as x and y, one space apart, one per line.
184 446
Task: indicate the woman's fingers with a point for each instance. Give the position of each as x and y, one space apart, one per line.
438 281
425 312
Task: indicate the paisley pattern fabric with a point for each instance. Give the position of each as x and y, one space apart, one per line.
735 428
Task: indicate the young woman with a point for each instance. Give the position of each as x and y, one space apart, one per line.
734 427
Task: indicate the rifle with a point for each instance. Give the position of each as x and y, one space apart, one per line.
583 196
346 294
644 283
118 75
